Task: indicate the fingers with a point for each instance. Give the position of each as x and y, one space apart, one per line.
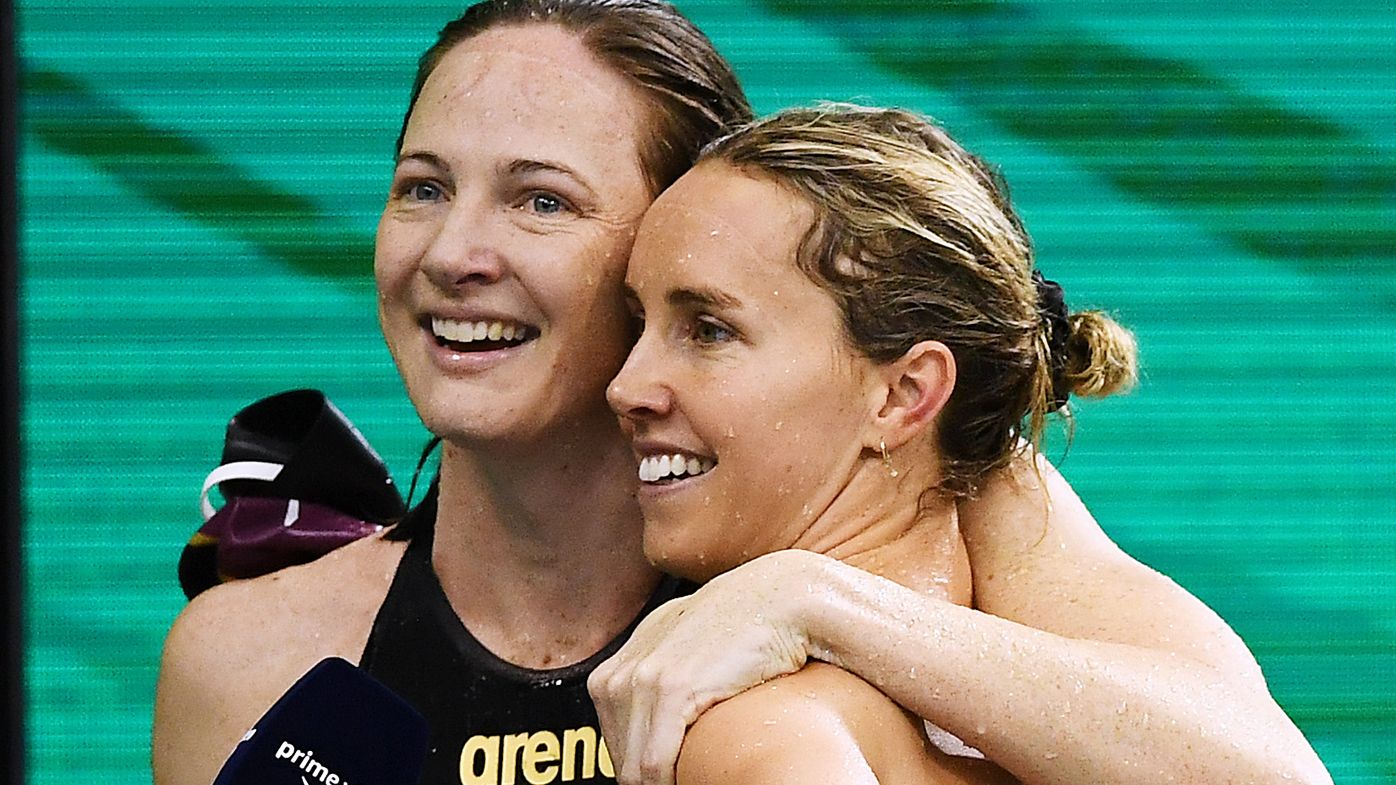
629 691
662 706
738 631
659 756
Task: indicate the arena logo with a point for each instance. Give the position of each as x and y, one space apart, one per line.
537 758
305 759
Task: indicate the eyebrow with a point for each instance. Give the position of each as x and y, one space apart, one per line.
690 297
426 158
522 166
710 298
530 166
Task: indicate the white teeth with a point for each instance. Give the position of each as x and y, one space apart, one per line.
658 467
465 332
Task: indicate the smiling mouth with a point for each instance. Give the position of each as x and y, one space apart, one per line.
656 469
460 336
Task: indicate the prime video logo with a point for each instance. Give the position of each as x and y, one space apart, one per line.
305 759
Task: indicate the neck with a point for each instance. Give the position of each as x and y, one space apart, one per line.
899 528
538 547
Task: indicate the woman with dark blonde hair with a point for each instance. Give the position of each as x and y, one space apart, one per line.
844 335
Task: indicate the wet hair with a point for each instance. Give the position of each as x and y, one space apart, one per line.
692 91
915 239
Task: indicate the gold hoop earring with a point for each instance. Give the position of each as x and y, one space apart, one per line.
886 459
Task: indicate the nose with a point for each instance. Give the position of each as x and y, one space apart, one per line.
466 250
640 391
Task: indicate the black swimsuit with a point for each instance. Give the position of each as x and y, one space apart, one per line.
492 723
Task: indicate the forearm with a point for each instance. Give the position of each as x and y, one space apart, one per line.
1052 709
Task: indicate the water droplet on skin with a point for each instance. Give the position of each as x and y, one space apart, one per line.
980 729
1050 756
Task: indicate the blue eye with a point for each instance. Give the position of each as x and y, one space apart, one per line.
709 331
546 204
423 191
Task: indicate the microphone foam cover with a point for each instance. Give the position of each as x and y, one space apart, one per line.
335 726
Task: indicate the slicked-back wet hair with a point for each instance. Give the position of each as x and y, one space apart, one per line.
693 94
915 239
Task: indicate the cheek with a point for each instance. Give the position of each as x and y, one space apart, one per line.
592 282
793 435
390 261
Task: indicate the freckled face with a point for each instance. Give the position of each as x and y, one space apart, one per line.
502 247
742 371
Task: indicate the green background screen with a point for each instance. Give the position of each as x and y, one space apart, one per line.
200 183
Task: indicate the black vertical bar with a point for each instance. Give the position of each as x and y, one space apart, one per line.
11 594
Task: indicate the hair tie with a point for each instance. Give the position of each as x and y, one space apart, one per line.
1051 309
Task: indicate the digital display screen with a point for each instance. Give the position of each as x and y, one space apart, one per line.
200 183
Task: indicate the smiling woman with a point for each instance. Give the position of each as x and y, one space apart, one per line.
538 132
844 327
740 367
538 235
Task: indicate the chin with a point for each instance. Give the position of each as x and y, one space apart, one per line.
682 560
459 423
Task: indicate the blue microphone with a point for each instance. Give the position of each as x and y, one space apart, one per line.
335 726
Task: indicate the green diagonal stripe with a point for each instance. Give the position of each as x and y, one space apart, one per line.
191 179
1278 183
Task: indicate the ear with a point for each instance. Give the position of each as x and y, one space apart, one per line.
913 390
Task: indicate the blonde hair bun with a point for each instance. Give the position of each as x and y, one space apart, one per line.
1102 357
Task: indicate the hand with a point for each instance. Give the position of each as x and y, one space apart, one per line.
739 630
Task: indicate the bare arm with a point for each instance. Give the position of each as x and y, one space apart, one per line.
199 716
237 647
1147 681
820 725
1113 675
754 741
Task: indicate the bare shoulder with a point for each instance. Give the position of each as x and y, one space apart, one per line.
237 647
317 608
1039 558
818 725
